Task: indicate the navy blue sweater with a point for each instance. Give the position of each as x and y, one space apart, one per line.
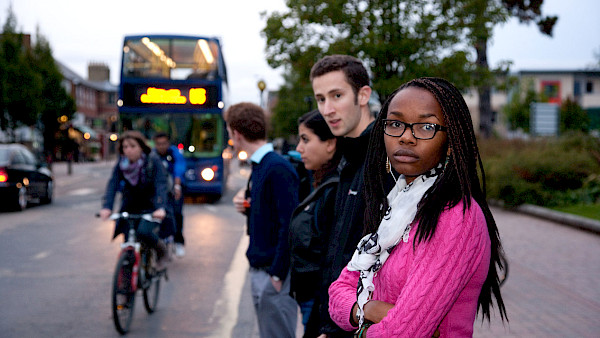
274 195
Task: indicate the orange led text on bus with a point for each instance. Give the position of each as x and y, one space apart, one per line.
173 96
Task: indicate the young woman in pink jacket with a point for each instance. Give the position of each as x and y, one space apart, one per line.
431 252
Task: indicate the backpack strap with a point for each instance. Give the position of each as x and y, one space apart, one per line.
313 195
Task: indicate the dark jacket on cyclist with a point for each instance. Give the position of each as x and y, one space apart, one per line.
149 194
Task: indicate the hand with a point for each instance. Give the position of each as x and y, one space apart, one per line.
159 214
240 202
323 335
277 284
376 310
105 213
177 192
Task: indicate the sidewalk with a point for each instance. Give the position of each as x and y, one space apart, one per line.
61 169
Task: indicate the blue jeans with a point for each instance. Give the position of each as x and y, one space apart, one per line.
305 309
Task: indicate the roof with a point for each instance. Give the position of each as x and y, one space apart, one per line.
70 75
585 72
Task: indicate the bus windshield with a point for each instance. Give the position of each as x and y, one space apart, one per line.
170 58
200 135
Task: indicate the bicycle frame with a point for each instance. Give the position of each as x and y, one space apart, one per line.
131 243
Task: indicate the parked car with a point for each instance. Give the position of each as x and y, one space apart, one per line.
23 179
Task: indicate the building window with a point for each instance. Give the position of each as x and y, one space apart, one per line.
589 87
551 89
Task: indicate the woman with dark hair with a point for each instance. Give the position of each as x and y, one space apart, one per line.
430 255
312 219
142 180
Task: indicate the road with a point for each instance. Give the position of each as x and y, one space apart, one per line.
56 265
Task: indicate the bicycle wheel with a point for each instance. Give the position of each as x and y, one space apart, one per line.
123 296
151 281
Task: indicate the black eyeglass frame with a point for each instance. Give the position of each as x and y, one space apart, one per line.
407 125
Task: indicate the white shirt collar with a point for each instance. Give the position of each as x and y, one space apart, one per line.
261 152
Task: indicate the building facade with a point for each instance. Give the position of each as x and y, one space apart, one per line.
97 113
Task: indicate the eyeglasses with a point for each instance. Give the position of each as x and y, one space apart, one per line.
421 131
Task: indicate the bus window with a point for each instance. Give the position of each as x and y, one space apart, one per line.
171 58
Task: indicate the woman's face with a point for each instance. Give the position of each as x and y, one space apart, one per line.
408 155
132 149
315 153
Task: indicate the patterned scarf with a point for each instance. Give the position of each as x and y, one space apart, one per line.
132 171
374 249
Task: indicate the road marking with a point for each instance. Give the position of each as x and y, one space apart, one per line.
81 192
227 306
211 208
42 255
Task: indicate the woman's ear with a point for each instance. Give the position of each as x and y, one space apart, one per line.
330 145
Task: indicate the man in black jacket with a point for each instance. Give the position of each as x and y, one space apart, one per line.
341 87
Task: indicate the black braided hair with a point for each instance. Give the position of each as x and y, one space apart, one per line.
459 181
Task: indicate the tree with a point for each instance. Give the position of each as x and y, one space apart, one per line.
479 17
517 109
20 85
573 117
397 40
55 100
31 93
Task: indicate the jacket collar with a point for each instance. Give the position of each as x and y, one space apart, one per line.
354 149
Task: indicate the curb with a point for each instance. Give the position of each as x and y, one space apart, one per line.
561 217
579 222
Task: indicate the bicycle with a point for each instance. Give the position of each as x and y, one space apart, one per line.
135 270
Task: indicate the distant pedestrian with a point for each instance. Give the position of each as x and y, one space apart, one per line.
268 202
429 259
174 162
313 219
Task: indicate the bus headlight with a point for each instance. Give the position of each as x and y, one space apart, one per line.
207 174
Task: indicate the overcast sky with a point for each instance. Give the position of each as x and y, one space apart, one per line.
83 31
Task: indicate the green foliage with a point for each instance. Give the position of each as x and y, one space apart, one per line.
517 110
397 40
21 85
30 84
573 117
545 172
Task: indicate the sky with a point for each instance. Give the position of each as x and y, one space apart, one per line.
80 33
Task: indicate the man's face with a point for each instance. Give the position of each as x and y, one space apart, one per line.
337 103
161 145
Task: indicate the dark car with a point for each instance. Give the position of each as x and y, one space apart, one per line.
23 179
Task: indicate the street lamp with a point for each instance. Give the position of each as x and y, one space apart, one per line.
261 86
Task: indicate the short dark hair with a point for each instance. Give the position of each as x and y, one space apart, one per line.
248 119
356 73
136 136
161 135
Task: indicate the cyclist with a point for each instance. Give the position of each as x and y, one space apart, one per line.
174 162
141 178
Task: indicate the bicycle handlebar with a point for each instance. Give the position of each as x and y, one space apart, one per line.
126 215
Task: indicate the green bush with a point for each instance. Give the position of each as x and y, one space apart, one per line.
545 172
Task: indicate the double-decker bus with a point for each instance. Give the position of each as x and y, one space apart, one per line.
178 85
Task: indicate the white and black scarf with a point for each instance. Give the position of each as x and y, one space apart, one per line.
374 249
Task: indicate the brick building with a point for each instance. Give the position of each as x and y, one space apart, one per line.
97 113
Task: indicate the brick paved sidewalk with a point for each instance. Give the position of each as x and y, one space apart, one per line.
552 289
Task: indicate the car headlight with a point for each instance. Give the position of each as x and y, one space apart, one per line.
207 174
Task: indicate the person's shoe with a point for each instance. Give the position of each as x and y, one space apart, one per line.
179 250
